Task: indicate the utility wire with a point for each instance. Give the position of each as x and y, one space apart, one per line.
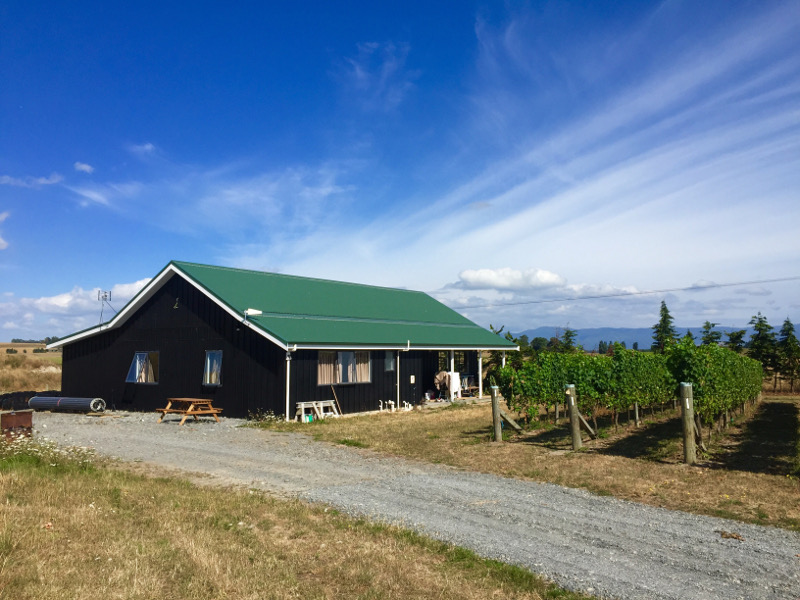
622 294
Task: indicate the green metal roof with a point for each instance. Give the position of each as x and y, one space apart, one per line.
317 312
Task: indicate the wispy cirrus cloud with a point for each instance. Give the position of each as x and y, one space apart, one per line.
377 76
680 171
3 243
83 167
31 182
106 194
231 201
698 149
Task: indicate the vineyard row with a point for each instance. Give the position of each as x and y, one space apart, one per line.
722 380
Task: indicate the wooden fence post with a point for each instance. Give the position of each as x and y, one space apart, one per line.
498 427
574 417
687 418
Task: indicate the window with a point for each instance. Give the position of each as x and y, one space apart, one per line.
388 361
144 368
212 372
460 360
444 361
343 367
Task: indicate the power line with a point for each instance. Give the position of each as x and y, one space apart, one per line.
692 288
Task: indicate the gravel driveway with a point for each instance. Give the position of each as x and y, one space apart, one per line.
606 547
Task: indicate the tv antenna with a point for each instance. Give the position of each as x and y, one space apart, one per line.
104 297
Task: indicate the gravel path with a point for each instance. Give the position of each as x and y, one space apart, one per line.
606 547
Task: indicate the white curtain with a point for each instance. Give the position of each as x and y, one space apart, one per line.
362 367
343 367
326 368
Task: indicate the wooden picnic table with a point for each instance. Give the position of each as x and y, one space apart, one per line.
189 407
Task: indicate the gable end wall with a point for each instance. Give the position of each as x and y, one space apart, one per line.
253 373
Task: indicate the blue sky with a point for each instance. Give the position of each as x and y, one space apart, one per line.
508 158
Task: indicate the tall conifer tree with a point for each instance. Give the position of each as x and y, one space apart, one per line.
788 353
763 346
710 337
664 332
736 340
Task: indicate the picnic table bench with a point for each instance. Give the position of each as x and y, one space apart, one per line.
319 408
188 407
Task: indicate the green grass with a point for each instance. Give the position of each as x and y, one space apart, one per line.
352 443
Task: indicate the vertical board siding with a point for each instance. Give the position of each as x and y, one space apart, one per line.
181 323
353 397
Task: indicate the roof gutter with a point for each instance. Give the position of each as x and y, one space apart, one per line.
403 347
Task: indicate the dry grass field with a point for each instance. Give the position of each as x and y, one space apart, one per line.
75 527
752 472
72 528
28 350
24 370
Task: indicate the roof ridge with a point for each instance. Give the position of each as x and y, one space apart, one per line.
466 323
179 263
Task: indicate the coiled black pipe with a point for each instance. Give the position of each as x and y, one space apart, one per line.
73 404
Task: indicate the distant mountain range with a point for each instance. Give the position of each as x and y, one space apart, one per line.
590 338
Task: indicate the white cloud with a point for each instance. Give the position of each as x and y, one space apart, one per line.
125 291
79 301
232 203
63 313
31 182
106 194
299 197
3 243
142 150
677 174
83 167
91 195
230 200
508 279
76 300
